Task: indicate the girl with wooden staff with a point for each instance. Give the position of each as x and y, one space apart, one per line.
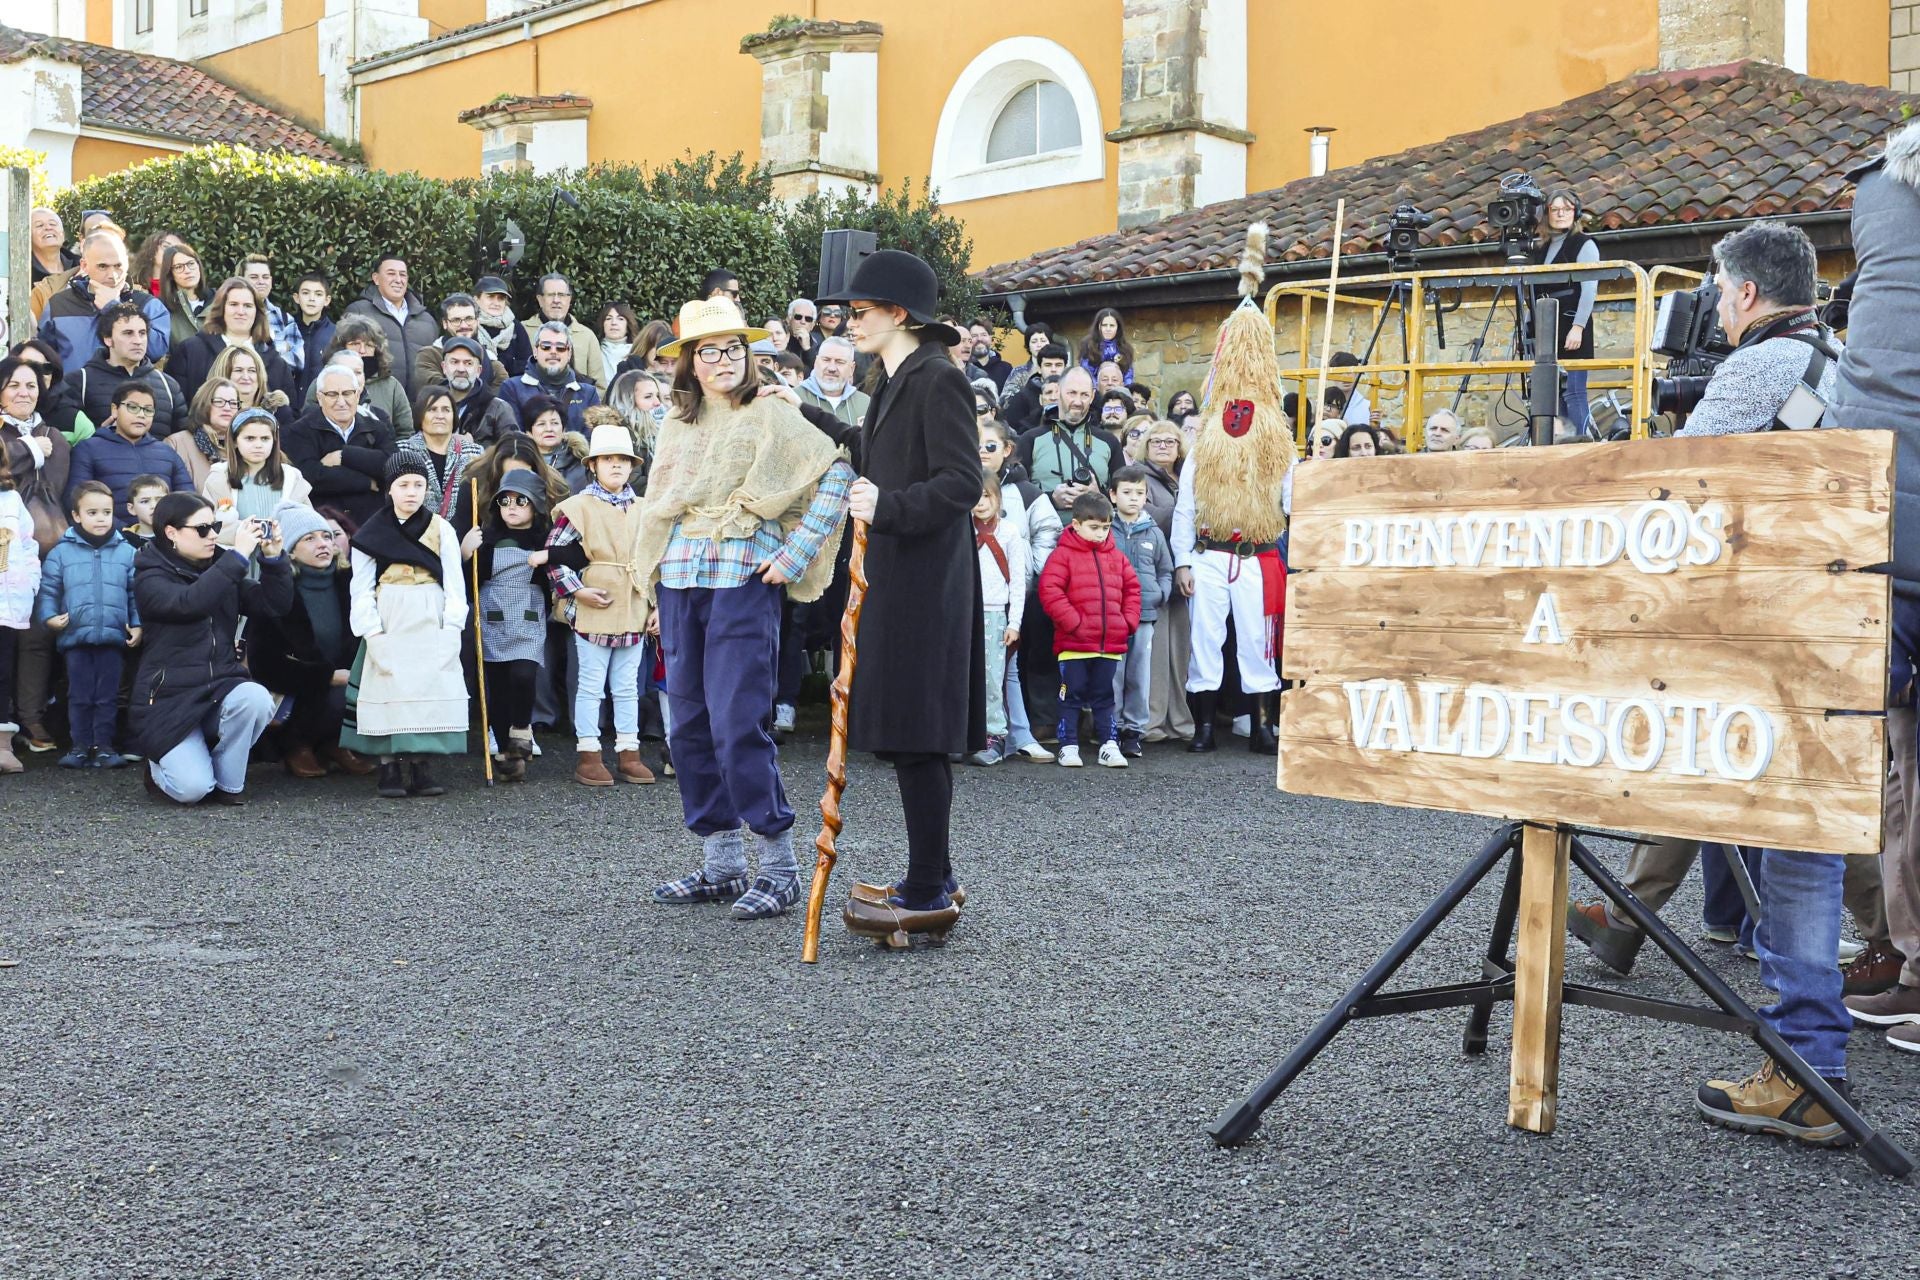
919 690
510 624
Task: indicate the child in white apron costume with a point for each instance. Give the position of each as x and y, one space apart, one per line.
406 695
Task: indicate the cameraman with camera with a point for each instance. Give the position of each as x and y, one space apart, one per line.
1784 368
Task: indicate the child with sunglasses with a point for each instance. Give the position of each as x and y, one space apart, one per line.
513 612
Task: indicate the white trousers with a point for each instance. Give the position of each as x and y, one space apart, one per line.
1224 582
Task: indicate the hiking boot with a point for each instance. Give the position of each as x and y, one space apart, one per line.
1889 1008
420 782
1611 945
392 783
589 772
302 763
632 768
1905 1038
1768 1102
1874 970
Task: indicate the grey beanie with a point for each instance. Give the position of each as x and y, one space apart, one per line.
296 521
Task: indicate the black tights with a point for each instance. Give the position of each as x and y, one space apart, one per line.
926 797
510 689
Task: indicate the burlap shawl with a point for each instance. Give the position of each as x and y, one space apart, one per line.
729 469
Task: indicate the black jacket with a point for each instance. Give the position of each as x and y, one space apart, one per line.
191 616
91 388
355 485
920 684
192 364
282 651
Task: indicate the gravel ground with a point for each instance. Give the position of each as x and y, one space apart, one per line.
327 1035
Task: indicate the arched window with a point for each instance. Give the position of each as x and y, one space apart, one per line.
1022 116
1040 117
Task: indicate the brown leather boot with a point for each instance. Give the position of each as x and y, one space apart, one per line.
347 762
302 763
633 769
589 772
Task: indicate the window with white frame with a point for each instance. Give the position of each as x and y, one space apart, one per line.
1022 116
143 17
196 8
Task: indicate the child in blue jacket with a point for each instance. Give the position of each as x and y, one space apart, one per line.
86 597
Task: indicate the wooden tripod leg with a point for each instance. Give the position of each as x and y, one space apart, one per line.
1534 1088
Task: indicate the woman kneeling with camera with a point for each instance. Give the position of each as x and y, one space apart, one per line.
195 713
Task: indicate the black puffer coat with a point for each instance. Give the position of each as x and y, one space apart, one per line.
191 614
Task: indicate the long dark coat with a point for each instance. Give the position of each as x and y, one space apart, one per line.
920 685
187 660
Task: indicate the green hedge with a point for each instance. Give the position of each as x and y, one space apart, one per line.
309 216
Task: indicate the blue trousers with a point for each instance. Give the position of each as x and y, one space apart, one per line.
1798 935
1088 683
93 693
1724 907
722 650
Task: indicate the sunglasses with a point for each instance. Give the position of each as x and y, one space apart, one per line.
513 500
204 530
553 346
990 446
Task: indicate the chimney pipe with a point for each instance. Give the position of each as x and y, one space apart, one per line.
1319 137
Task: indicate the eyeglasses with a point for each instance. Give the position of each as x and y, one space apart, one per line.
136 410
990 446
204 530
224 402
553 346
556 293
714 355
1169 441
324 395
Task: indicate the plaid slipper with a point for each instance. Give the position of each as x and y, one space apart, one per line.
767 899
697 888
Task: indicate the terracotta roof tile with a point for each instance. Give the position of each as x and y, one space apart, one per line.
1737 141
144 93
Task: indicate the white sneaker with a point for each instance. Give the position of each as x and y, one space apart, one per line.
1110 756
782 718
1242 726
1069 757
1034 751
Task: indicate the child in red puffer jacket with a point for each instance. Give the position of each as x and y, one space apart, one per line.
1090 591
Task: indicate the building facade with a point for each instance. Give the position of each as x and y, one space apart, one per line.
1039 124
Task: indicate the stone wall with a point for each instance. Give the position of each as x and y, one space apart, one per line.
1904 62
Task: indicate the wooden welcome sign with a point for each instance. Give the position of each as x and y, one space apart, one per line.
1649 636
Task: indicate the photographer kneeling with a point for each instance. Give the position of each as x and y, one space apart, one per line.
1782 360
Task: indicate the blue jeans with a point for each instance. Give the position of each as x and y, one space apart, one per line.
1088 683
1798 937
196 767
599 666
1019 731
1573 397
1133 680
1724 907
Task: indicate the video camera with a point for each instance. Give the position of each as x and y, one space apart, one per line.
1404 226
1515 213
1686 330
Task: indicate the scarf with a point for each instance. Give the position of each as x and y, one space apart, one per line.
203 441
556 381
391 540
96 542
726 472
983 536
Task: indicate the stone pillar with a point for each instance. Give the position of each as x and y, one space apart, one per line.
531 135
819 106
1183 106
1903 66
1708 33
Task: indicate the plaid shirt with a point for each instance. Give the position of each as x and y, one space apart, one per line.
715 563
566 582
287 338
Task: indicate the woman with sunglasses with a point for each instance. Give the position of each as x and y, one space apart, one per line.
195 712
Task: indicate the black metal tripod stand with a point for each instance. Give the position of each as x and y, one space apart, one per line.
1365 1000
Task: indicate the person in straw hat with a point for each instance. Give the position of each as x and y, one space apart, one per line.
590 555
919 689
1229 515
745 506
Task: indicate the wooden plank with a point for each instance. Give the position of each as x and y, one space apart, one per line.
1799 638
1822 791
1533 1089
1823 468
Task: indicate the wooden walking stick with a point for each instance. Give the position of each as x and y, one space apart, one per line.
480 647
1326 332
837 743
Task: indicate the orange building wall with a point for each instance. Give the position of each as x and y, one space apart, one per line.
283 71
1452 72
1848 40
95 156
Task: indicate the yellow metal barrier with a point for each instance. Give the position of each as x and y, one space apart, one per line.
1413 372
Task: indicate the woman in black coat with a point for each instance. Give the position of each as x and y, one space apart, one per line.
919 689
234 310
195 713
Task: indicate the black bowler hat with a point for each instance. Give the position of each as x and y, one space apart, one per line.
895 276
